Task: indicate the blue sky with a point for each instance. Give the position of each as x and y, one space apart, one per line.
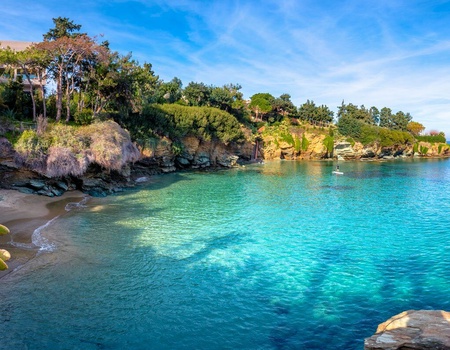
383 53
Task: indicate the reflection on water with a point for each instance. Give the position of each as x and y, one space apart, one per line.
279 255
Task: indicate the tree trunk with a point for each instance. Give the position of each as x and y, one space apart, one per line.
44 106
59 95
67 102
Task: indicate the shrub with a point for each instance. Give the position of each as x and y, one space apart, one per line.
205 122
288 138
328 142
305 143
423 150
439 138
297 144
85 117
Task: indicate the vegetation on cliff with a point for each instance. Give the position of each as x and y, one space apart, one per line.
69 150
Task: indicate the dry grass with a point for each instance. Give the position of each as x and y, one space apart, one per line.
66 150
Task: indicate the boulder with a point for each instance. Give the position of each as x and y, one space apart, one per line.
345 150
5 255
4 230
3 265
37 184
413 329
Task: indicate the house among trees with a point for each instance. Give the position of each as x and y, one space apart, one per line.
15 72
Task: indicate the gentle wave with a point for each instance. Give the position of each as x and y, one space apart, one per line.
41 242
76 205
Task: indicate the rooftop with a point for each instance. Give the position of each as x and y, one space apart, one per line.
15 45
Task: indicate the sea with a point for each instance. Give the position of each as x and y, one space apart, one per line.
281 255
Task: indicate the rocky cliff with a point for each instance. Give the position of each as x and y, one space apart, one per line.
424 329
316 149
163 157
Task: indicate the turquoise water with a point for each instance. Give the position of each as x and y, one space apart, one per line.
276 256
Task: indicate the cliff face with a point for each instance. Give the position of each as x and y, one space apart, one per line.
195 153
424 329
316 149
164 157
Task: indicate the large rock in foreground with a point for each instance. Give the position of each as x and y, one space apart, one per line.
410 330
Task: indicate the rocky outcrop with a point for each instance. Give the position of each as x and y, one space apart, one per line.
165 157
194 153
424 329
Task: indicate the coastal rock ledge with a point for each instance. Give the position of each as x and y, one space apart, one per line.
411 330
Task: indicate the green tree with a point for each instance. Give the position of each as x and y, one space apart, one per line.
197 94
385 117
64 27
375 115
284 106
170 92
261 104
226 97
309 111
30 62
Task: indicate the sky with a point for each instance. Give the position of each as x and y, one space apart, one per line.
382 53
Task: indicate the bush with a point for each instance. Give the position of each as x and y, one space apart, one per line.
85 117
328 142
297 144
305 143
432 138
178 121
423 150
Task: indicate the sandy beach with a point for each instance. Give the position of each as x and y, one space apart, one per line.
24 213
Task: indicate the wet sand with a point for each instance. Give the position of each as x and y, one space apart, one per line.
24 213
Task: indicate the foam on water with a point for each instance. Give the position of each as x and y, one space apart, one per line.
40 241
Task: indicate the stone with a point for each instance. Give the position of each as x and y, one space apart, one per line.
169 169
141 179
37 184
413 329
5 255
4 230
24 190
3 265
182 161
62 185
345 150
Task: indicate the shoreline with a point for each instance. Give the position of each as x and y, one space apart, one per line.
23 214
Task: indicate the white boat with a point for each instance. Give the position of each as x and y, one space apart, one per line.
337 172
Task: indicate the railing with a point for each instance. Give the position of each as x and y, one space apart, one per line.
317 123
27 126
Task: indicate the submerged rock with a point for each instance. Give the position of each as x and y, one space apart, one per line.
424 329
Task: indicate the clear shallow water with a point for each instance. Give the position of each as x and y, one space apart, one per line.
276 256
